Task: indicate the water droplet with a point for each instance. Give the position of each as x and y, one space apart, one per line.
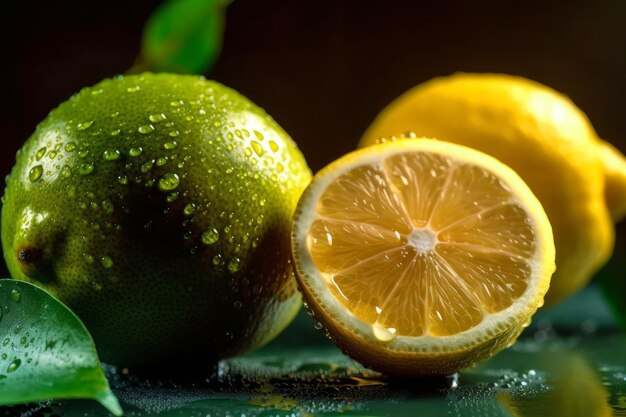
134 152
122 179
257 148
174 133
170 145
88 258
217 260
318 326
84 125
169 182
237 304
107 206
111 155
70 147
115 132
384 334
146 167
16 296
161 161
189 209
66 172
145 129
273 146
157 118
172 197
106 262
133 89
177 103
85 168
83 153
14 365
234 265
35 173
210 236
259 135
40 153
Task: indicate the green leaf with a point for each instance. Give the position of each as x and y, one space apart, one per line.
183 36
45 351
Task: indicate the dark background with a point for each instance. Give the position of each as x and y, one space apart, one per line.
323 69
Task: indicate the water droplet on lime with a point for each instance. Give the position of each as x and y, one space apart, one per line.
85 168
84 125
157 118
40 153
16 296
210 236
145 129
111 155
169 182
35 173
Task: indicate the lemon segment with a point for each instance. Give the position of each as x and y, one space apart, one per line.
417 255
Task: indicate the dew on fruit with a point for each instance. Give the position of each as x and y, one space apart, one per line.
16 296
172 197
170 145
66 171
107 206
145 129
238 304
70 147
115 132
147 166
161 161
35 173
85 168
189 209
210 236
177 103
384 334
169 181
106 262
84 125
234 265
218 260
174 133
83 153
133 89
122 179
258 135
157 118
40 153
136 151
273 146
257 148
88 258
14 365
111 155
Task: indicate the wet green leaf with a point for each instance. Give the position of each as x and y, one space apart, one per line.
183 36
45 351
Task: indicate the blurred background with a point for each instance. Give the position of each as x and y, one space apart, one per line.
323 69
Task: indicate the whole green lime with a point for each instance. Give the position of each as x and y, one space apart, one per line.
158 208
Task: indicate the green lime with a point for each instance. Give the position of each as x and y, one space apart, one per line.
158 208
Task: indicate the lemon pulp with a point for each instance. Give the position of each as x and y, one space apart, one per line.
421 245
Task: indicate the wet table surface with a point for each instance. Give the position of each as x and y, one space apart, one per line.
570 362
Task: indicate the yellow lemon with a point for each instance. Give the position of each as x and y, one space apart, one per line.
579 179
421 257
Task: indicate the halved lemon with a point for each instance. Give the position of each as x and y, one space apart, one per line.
421 257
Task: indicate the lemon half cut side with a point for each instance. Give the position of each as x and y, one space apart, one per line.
421 257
